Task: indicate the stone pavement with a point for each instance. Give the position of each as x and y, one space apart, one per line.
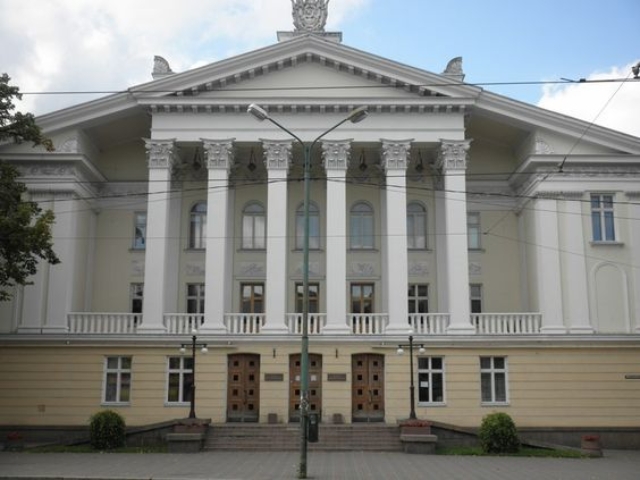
615 465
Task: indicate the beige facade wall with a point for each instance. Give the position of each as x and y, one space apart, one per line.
547 387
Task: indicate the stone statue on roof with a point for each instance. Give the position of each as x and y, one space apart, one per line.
309 15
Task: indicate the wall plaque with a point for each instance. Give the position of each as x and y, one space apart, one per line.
336 377
273 377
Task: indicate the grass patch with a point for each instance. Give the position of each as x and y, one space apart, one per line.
523 452
86 448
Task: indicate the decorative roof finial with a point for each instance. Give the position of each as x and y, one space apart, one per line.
309 15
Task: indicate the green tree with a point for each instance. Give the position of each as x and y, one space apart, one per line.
15 126
25 230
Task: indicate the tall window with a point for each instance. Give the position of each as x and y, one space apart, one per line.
602 219
419 298
314 297
416 226
253 227
473 231
117 380
252 297
314 227
493 379
139 230
475 293
136 297
361 221
430 380
180 379
195 298
198 226
362 298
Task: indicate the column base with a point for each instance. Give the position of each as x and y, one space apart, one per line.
275 330
206 330
336 330
29 330
61 329
398 330
553 330
461 330
151 329
582 330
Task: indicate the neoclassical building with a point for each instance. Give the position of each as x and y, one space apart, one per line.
504 238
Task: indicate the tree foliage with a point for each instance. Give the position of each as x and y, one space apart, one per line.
15 126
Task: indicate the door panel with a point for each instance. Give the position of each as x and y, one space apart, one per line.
315 385
243 388
367 391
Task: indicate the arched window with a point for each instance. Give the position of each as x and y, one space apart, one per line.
361 221
314 227
253 227
416 226
198 226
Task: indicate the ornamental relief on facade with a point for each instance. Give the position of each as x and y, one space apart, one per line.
475 268
252 269
195 269
418 269
314 270
363 269
137 268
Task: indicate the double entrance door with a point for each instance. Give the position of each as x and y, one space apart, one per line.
315 385
367 387
243 388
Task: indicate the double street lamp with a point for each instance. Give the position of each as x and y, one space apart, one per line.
412 390
183 349
354 116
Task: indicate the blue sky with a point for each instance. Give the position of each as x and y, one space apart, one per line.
55 45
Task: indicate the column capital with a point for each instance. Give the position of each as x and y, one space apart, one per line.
453 154
395 154
219 153
336 154
277 154
161 153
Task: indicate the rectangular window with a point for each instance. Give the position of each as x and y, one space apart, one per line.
136 296
419 298
430 380
475 292
602 219
314 297
362 298
473 231
195 298
180 379
252 297
140 230
493 379
117 380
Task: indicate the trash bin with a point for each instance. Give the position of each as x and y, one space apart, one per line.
312 428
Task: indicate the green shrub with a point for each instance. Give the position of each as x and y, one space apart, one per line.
498 434
107 430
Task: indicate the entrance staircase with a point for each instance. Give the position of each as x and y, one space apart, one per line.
256 437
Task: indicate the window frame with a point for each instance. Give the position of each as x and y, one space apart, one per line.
198 296
415 298
252 298
412 234
182 372
431 371
365 240
139 225
474 224
198 226
314 227
477 298
313 300
362 297
493 371
251 238
601 212
119 371
136 300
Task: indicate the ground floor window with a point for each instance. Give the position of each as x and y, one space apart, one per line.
180 379
431 380
493 379
117 380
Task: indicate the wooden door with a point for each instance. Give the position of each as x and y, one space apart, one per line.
367 387
315 385
243 388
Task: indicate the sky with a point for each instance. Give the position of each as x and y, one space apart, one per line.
52 46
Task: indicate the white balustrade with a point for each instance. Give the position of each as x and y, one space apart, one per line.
183 323
429 323
507 323
103 323
368 323
316 322
244 323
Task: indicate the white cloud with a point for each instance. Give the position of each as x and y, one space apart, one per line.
106 45
613 105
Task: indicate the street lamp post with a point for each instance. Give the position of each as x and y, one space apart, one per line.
183 349
412 389
354 116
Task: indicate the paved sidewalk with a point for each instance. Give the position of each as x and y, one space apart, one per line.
616 464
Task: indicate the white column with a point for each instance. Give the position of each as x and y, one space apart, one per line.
577 306
219 158
452 161
161 157
548 275
634 243
336 161
277 159
441 248
395 158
